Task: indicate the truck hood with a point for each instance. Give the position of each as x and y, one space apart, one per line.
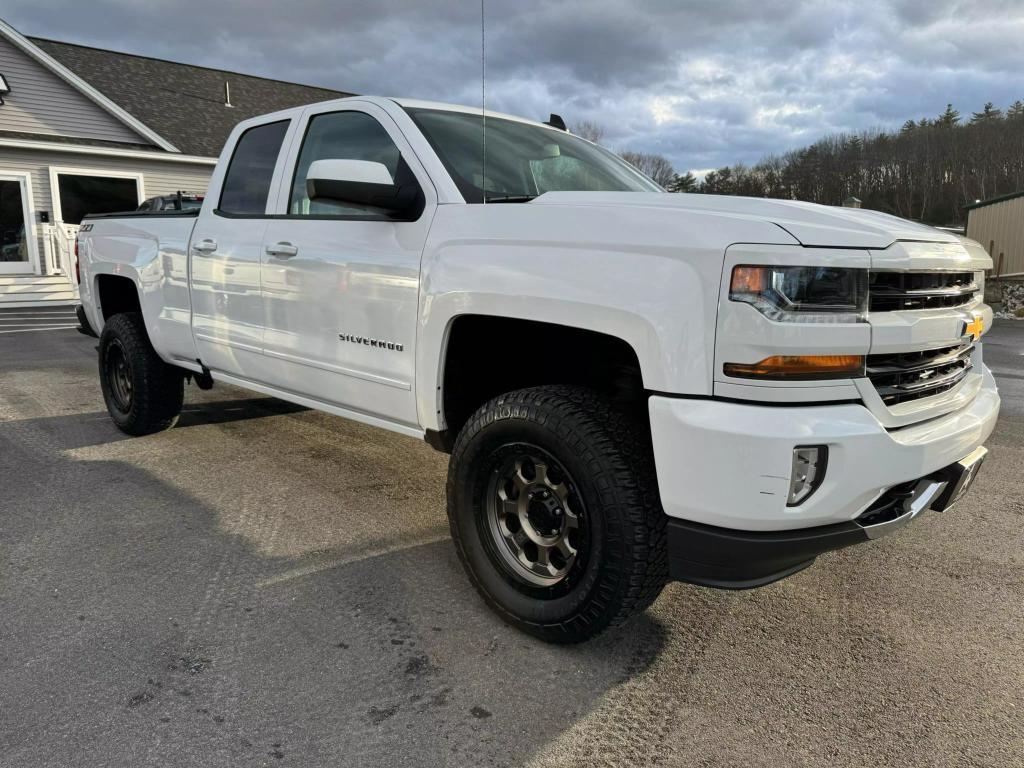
811 224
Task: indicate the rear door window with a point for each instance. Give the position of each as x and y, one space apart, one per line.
247 181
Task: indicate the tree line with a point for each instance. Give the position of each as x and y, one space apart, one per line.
654 166
927 170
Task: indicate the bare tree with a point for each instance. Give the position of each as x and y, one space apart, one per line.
589 130
653 166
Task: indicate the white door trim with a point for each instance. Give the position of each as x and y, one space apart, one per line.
85 149
57 170
32 266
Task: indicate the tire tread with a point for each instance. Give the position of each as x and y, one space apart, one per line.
618 454
158 401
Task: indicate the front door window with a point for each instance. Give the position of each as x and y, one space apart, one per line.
340 136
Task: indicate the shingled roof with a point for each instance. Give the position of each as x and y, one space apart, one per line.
182 103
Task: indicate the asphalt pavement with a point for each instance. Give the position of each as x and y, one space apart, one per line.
268 585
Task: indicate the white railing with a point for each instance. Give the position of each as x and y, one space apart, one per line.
60 251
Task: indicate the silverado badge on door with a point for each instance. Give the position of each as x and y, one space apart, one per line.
372 342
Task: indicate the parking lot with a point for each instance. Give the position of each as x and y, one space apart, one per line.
268 585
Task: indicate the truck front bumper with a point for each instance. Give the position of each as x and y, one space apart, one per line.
728 559
724 471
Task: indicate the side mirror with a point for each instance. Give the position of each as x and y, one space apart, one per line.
361 183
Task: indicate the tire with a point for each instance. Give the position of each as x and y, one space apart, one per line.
592 490
143 393
84 326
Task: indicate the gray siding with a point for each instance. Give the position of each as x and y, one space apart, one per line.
40 102
158 178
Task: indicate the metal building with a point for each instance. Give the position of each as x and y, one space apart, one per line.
998 224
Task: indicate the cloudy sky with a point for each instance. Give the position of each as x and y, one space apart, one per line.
704 83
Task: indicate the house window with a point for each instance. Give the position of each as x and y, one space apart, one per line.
81 195
14 250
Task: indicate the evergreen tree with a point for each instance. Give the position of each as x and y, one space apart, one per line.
948 118
988 114
685 183
719 182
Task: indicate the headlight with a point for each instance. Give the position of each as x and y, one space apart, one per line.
803 294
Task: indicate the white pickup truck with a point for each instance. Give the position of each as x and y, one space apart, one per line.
633 385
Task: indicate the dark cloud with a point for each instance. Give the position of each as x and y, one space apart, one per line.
705 83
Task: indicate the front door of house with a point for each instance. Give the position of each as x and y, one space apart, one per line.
17 235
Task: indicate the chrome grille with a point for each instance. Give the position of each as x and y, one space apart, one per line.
903 376
889 291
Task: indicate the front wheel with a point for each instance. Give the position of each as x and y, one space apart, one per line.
554 511
143 393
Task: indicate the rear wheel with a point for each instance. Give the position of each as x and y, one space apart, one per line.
554 512
143 393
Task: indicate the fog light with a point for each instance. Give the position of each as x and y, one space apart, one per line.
807 472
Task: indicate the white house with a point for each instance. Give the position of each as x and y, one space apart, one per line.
85 130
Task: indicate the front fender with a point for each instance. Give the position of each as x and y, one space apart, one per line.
435 329
642 276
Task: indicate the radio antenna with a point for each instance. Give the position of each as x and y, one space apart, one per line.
483 105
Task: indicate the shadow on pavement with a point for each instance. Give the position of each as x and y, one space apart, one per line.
281 589
224 411
136 631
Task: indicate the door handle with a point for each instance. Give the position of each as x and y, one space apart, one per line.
205 246
282 250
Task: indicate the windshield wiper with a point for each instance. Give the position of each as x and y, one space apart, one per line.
511 198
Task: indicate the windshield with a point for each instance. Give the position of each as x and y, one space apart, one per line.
523 160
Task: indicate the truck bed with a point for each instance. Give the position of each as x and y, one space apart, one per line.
150 214
152 249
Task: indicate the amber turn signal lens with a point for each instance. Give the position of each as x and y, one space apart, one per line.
752 280
799 367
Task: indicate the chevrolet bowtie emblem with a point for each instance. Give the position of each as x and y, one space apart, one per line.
974 328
